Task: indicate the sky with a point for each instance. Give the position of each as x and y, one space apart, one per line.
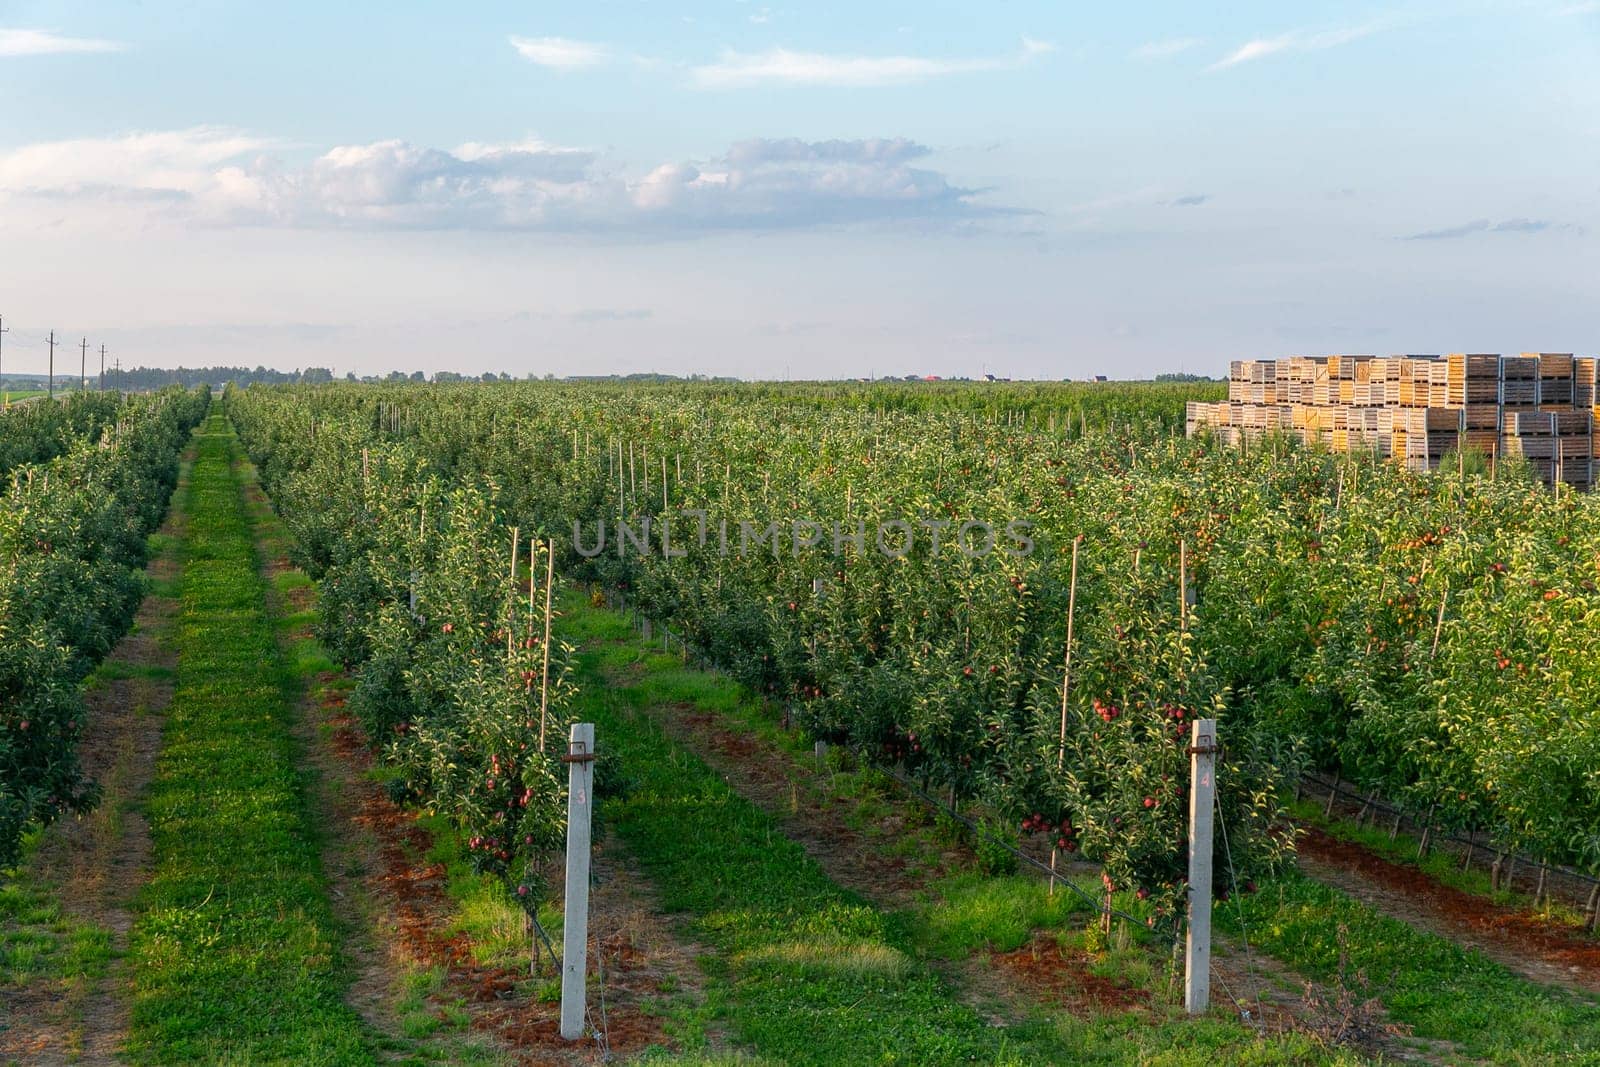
1025 189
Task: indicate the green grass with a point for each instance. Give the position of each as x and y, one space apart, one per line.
803 971
234 951
1441 990
971 912
483 909
40 943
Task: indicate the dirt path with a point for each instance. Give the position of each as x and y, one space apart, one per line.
1517 940
94 865
393 904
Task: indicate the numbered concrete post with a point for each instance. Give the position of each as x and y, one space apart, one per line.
575 923
1202 793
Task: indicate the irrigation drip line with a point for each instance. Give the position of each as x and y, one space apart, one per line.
1467 842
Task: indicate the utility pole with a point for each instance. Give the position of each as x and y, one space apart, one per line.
52 343
102 368
83 366
4 329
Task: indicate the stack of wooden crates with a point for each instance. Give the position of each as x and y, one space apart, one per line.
1539 407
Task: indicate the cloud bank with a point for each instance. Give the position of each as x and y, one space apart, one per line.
222 177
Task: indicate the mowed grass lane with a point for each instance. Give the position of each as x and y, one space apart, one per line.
234 950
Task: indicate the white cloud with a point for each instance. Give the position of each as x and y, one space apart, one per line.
178 163
781 66
560 53
1167 48
46 43
219 177
1293 41
1589 7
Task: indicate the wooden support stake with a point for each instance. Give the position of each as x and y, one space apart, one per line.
1202 791
1438 627
544 682
575 922
1183 585
511 595
1066 685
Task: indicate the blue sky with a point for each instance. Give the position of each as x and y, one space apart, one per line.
1029 189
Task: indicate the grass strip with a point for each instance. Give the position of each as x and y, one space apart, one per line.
234 953
1438 988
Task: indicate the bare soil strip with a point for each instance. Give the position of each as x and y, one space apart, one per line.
1515 938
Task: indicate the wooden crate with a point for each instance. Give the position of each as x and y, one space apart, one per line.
1569 421
1464 365
1556 392
1474 391
1530 422
1427 420
1345 367
1584 381
1573 446
1432 444
1552 364
1528 445
1519 367
1519 391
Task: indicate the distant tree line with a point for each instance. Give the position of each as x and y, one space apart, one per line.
146 378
